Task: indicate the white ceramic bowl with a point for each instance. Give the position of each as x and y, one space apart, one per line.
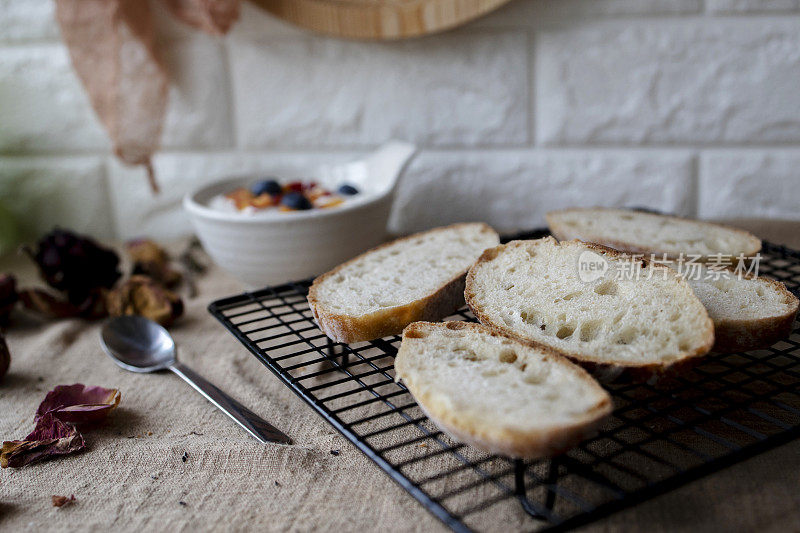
275 247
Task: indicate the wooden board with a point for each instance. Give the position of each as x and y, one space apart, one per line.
378 19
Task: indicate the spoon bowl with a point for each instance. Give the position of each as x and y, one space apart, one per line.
140 345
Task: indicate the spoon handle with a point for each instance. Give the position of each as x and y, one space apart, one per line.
254 424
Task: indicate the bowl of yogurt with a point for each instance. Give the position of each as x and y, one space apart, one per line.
267 231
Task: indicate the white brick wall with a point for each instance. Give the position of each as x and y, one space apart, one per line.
457 89
691 106
672 82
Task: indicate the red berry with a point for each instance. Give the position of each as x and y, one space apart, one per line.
293 186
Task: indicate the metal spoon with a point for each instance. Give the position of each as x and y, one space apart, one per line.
140 345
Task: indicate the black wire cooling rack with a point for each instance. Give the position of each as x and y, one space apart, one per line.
659 437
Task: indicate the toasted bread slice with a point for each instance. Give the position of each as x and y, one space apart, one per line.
748 312
497 394
621 315
647 233
420 277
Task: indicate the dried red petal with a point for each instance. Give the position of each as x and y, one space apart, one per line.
212 16
60 501
47 304
78 403
50 438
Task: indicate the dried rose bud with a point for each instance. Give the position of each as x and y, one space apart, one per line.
5 357
152 260
75 264
8 296
141 295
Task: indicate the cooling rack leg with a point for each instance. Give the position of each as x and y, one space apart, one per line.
332 353
552 476
521 492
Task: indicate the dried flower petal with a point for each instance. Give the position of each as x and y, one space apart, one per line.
78 403
60 501
111 43
152 260
8 296
140 295
193 267
47 304
212 16
52 306
5 357
75 264
50 438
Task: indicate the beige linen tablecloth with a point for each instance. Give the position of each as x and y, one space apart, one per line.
132 476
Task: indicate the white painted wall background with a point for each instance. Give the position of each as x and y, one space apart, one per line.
689 106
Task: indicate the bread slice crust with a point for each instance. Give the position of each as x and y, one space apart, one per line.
562 232
602 369
741 335
346 328
532 443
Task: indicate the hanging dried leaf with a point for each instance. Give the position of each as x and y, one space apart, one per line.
111 43
212 16
50 438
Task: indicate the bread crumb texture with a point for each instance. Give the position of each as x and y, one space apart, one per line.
532 289
405 270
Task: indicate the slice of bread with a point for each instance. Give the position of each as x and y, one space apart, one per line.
497 394
378 293
620 316
647 233
748 312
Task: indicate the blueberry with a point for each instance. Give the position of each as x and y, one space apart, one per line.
295 200
347 190
269 186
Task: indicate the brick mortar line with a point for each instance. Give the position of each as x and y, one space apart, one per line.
531 56
230 100
231 149
694 186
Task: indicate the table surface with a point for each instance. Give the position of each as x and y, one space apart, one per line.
133 474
